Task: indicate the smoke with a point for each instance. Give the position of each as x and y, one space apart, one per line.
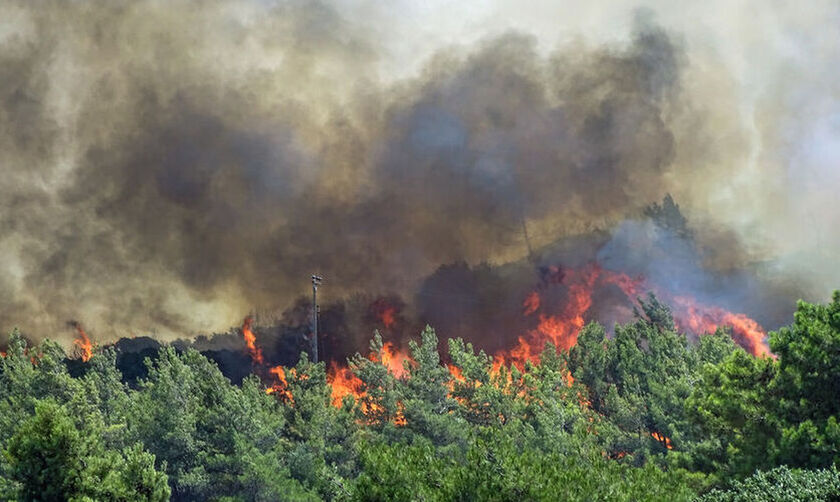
171 166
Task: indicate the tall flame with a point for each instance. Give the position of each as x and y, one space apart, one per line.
82 342
394 359
251 342
343 382
560 329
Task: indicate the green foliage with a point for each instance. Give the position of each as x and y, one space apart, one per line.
733 409
782 484
641 414
807 385
427 407
639 380
753 413
207 433
668 216
46 455
51 459
499 470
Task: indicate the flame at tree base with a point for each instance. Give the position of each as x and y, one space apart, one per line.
557 325
83 344
700 319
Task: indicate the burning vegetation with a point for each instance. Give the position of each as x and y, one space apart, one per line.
84 346
557 326
171 167
642 409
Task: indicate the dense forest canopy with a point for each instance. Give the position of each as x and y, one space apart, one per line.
639 415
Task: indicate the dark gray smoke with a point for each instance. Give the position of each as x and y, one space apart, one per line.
169 167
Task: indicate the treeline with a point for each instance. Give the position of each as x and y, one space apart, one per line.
640 415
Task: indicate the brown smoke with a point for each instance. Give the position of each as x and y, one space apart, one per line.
171 166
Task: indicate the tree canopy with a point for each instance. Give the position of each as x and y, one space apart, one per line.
636 413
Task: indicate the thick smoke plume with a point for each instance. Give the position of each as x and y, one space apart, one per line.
172 166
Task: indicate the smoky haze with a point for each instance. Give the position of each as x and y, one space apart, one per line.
171 166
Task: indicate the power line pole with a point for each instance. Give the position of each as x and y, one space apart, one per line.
531 256
316 281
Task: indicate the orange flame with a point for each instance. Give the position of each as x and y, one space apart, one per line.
631 287
456 373
702 319
666 442
394 359
343 382
251 342
387 317
281 386
562 329
83 343
531 303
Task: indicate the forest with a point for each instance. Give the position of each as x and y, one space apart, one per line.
637 413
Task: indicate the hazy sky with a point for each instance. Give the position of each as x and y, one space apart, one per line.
168 165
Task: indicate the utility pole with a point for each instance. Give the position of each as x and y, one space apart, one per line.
531 257
316 281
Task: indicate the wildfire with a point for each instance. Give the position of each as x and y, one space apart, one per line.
559 325
456 373
344 382
702 319
278 374
559 329
665 441
631 287
251 342
82 342
394 359
280 386
562 329
531 303
384 313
